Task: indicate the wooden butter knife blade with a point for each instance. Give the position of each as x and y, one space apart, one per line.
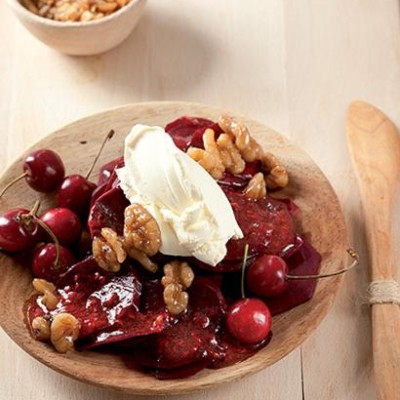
374 146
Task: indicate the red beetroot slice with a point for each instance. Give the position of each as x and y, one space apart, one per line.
96 298
266 224
108 211
193 337
133 324
235 351
153 319
107 170
239 181
188 131
305 261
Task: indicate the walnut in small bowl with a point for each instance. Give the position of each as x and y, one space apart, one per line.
79 27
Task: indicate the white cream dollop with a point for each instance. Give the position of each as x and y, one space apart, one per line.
193 213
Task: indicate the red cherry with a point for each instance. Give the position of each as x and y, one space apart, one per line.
17 233
43 261
267 276
75 193
249 321
44 170
64 223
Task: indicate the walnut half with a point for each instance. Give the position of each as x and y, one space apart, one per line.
64 330
48 292
178 276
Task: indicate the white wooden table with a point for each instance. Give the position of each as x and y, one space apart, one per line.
294 65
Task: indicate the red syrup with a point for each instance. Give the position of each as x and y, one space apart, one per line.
125 312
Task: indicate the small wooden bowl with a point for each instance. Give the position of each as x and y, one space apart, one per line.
81 38
321 220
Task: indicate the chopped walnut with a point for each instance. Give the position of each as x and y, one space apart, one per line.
177 277
277 176
178 272
41 329
48 292
256 188
141 230
230 154
209 158
248 147
64 330
105 255
175 299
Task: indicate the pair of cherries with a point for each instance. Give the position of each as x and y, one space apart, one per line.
249 320
44 172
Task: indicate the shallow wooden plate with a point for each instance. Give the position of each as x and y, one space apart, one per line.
77 143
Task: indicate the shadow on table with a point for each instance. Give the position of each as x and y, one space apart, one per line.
163 58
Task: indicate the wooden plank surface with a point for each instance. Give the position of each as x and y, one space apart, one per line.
294 65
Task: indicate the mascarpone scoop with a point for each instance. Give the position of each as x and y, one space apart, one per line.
193 213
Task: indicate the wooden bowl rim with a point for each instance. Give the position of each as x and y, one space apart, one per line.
202 380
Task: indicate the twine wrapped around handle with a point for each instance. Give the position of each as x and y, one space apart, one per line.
384 292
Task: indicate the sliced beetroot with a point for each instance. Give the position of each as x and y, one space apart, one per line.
239 181
235 351
188 131
206 298
108 211
132 325
107 169
193 337
305 261
266 224
152 318
98 299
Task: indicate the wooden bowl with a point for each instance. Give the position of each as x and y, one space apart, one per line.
81 38
77 143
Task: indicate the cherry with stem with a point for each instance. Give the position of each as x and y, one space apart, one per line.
43 170
269 275
76 190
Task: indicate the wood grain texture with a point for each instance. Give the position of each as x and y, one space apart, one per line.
374 145
321 220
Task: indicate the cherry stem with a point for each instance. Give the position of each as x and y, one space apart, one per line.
35 208
246 251
32 215
54 238
9 184
352 253
108 137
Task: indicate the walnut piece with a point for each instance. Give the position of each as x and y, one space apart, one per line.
175 299
248 147
177 277
230 154
141 230
177 272
64 330
218 155
209 158
41 329
277 176
74 10
48 292
256 188
108 250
